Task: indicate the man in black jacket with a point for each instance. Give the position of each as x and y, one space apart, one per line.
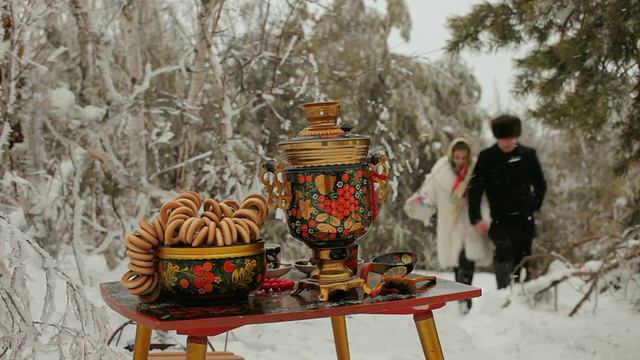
510 175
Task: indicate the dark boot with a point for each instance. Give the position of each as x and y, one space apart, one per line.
466 268
464 276
503 274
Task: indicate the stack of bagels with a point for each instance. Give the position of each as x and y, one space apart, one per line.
181 223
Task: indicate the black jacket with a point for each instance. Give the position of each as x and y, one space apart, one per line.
514 183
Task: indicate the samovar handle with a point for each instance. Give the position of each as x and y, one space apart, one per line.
379 174
278 186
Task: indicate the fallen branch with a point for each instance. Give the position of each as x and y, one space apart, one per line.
584 298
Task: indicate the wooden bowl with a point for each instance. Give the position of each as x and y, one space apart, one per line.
212 272
280 271
304 266
382 263
399 258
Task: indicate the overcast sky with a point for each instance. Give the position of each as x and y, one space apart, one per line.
428 36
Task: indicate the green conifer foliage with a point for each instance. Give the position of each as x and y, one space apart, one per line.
582 63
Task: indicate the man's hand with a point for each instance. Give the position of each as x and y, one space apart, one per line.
482 228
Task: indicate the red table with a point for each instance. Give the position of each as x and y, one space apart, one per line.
198 322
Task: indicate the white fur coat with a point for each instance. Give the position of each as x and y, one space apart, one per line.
436 188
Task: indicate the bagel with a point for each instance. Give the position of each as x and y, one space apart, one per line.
141 270
182 236
248 214
141 263
148 237
139 242
258 206
139 256
175 216
219 237
201 238
232 204
244 235
155 283
190 204
159 227
253 227
241 223
148 227
211 236
152 296
183 210
196 195
226 210
255 196
232 228
226 232
132 279
193 196
167 208
144 287
172 231
132 247
211 216
194 226
213 206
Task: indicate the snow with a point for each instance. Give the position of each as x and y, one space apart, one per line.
514 323
4 135
502 325
62 100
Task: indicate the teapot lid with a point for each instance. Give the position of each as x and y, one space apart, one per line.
323 142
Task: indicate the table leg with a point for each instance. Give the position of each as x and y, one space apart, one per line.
196 347
339 325
142 343
428 335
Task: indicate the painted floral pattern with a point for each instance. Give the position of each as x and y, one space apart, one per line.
330 206
216 277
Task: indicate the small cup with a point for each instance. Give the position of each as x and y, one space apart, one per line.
272 253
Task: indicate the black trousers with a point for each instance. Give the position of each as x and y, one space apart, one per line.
513 239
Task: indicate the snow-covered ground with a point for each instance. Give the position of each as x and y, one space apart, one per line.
502 325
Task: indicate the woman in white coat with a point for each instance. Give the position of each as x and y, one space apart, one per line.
445 190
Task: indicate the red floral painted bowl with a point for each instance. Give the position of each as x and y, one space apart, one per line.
215 272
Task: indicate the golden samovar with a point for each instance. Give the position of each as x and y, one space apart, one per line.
329 189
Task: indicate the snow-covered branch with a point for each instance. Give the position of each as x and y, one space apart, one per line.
78 334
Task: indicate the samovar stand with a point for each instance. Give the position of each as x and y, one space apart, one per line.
331 274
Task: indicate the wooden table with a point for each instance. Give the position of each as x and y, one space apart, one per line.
198 322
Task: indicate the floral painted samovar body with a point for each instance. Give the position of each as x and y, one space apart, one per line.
329 191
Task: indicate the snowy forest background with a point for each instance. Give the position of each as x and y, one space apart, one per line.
110 108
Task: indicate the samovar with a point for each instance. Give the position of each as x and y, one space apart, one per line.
329 189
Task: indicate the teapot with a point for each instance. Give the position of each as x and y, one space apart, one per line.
329 188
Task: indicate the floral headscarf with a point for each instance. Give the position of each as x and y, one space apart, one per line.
461 184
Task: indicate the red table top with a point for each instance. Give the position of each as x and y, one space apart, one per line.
261 307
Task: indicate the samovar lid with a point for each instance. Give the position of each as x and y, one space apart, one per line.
323 142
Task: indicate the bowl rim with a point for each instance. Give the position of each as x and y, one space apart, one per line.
284 266
211 251
376 259
303 262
